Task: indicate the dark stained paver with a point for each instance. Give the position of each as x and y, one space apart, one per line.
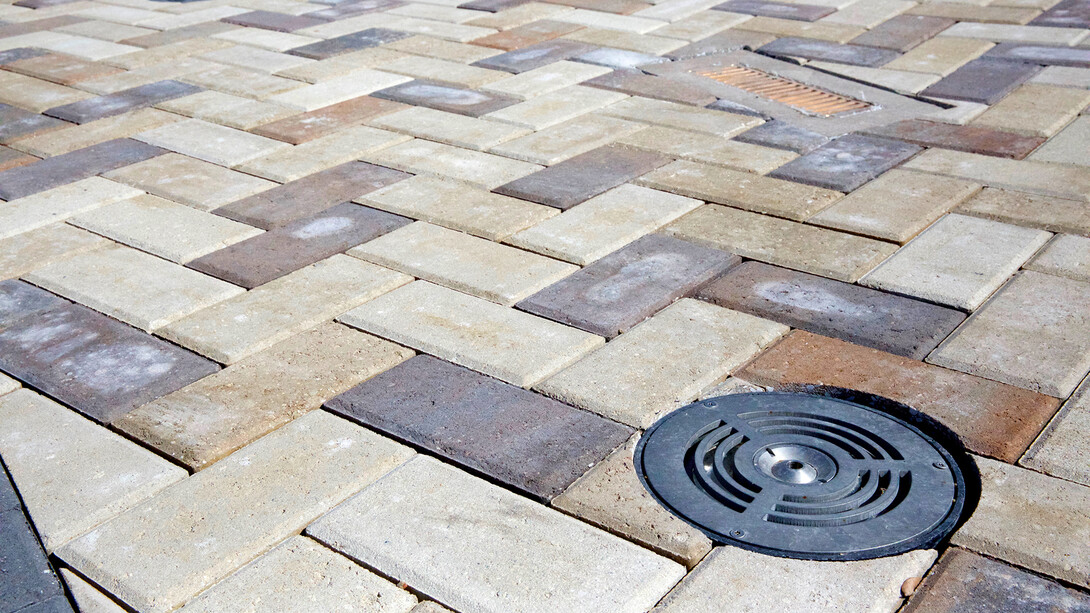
534 56
903 32
964 582
629 285
71 167
1066 14
1040 54
122 101
371 37
782 135
96 364
492 6
984 80
973 139
27 582
258 260
638 83
809 48
269 20
576 179
896 324
990 418
327 120
16 123
510 434
525 35
310 195
446 98
20 53
846 163
798 12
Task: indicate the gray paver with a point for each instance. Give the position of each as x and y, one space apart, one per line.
122 101
982 80
446 98
68 168
830 52
846 163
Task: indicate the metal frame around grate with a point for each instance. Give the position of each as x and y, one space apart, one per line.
785 91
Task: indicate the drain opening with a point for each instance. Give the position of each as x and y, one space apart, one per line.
802 476
798 96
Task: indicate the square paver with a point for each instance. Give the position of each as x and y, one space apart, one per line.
624 288
517 437
663 363
91 362
206 527
958 261
847 162
210 142
68 168
510 345
525 556
446 98
190 181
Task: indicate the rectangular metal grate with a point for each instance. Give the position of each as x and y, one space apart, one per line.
785 91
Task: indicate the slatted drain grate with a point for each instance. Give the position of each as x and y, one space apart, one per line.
796 95
802 476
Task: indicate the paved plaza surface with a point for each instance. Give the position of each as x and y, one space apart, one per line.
363 305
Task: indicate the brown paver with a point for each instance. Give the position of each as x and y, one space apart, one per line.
974 138
305 127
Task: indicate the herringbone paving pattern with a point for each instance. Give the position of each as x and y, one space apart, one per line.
361 305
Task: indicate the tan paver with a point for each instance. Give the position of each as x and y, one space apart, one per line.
611 496
436 159
211 142
322 153
1031 210
72 473
833 32
301 575
958 261
227 109
762 583
476 266
458 206
1059 180
629 41
556 107
604 223
204 421
77 137
34 94
23 253
663 363
1031 520
1061 449
431 46
1065 256
940 56
562 141
276 310
169 230
449 128
57 204
609 21
545 80
523 556
510 345
7 384
1033 334
681 116
741 189
1067 147
137 288
443 71
87 598
709 149
204 528
338 89
844 257
1035 110
190 181
1010 33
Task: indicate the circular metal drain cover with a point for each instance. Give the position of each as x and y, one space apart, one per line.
802 476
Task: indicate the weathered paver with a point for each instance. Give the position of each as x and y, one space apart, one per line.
202 422
238 327
663 363
23 253
475 168
1059 180
62 170
846 163
958 261
211 142
72 473
29 582
1035 110
320 154
990 418
972 138
137 288
1032 520
964 581
765 583
1034 211
709 149
300 575
286 249
446 98
622 289
190 181
525 556
1065 256
1067 146
209 525
1062 445
984 80
465 263
782 135
95 364
517 437
122 101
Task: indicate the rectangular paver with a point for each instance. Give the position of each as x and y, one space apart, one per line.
122 101
1034 211
210 142
1062 446
446 98
1035 110
449 128
292 163
327 120
47 207
566 140
23 253
847 162
1059 180
190 181
709 149
484 170
972 138
64 169
984 80
681 116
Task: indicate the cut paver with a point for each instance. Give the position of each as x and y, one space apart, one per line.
327 120
260 318
73 474
122 101
990 418
23 253
483 170
604 224
1044 212
203 422
638 83
1060 450
1059 180
527 58
584 176
963 581
169 230
286 249
958 261
631 284
525 556
782 135
87 598
466 263
310 195
681 116
829 52
709 149
517 437
97 365
765 583
338 89
741 189
847 162
1067 147
137 288
544 80
836 255
207 526
1031 520
1065 256
984 80
611 496
301 575
509 345
29 583
446 98
61 170
1038 54
211 142
663 363
1032 334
